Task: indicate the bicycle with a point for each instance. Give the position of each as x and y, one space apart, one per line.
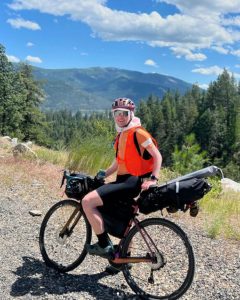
161 255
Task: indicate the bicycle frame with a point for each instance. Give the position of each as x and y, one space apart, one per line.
149 257
118 260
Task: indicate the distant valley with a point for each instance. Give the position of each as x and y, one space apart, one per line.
95 88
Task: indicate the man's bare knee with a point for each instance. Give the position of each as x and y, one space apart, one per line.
91 200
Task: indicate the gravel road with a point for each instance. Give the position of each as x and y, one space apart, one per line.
25 276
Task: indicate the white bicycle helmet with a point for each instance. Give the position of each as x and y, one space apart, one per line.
123 103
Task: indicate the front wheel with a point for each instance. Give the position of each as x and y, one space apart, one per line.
63 235
170 272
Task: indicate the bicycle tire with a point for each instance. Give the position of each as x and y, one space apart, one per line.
64 251
174 265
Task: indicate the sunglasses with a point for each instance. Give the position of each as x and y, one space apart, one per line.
123 113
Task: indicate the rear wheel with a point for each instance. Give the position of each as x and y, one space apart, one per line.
63 235
171 270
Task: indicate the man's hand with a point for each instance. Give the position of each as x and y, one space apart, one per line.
147 184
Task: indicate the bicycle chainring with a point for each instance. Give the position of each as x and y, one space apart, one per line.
160 262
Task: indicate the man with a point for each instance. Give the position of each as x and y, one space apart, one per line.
136 157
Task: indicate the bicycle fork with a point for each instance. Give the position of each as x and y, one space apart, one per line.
66 228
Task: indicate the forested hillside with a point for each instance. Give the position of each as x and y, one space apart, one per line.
195 129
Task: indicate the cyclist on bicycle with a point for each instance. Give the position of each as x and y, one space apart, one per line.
137 157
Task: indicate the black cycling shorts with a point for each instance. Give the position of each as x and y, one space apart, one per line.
126 187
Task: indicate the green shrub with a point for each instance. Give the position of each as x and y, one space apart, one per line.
189 158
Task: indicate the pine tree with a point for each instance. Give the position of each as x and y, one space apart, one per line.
215 128
189 158
33 120
6 91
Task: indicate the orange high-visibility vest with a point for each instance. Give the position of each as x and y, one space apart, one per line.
135 164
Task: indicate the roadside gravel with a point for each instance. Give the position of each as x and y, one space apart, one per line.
24 275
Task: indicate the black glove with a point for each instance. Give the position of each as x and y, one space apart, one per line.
101 174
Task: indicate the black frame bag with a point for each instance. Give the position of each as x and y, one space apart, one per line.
117 215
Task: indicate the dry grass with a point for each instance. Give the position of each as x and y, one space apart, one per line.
222 215
25 172
52 156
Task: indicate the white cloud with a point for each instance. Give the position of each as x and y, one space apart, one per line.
236 75
179 52
30 44
214 70
203 86
34 59
196 57
213 7
197 25
237 66
21 23
13 59
150 62
236 52
235 21
220 49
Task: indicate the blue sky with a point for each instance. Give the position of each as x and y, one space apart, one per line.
181 38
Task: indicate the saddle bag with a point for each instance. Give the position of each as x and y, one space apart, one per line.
179 195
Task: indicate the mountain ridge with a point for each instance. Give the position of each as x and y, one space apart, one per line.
95 88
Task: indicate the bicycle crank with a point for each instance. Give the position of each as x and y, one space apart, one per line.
159 262
151 279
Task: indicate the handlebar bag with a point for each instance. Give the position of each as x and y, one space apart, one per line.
76 186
